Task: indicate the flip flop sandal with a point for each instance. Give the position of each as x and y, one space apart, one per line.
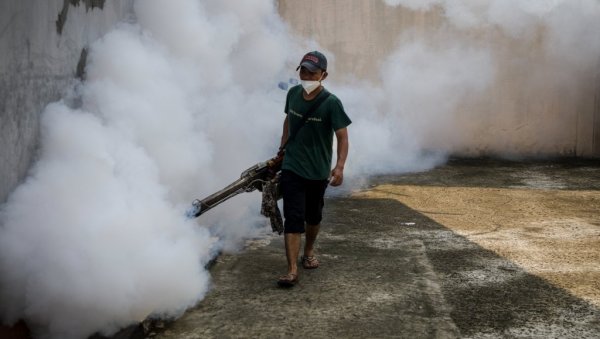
288 280
310 263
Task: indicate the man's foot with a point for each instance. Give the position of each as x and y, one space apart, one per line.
310 262
288 280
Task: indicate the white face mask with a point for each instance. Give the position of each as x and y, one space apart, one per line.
310 85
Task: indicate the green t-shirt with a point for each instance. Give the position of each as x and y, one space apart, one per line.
309 153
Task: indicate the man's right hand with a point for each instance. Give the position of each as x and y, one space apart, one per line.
337 176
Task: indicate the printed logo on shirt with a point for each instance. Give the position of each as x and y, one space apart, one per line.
315 119
295 113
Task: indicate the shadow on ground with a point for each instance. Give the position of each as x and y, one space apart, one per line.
387 271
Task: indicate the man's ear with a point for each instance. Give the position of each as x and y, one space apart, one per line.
324 76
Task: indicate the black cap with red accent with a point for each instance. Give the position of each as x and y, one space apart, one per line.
313 61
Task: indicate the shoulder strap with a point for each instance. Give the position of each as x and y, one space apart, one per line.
311 110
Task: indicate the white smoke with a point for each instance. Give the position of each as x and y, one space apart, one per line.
564 24
174 107
517 17
500 77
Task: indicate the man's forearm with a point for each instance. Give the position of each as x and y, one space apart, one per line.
342 149
284 133
342 153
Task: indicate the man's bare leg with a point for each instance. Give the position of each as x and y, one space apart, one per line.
311 236
292 248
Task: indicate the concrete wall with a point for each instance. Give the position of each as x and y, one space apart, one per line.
521 114
596 124
41 43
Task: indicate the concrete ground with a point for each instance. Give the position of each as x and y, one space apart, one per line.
473 249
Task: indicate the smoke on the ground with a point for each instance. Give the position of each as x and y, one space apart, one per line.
173 108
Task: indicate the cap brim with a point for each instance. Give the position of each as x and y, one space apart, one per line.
309 65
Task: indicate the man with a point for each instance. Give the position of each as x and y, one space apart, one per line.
306 168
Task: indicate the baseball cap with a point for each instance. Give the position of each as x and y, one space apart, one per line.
314 61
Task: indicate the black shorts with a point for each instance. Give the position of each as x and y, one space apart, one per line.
302 201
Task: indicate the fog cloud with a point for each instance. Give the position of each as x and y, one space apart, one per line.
176 105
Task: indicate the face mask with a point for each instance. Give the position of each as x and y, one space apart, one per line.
310 85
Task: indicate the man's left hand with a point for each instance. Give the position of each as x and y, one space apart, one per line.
337 176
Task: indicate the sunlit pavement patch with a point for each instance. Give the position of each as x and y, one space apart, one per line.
551 233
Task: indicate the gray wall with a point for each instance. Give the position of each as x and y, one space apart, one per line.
41 44
596 128
517 116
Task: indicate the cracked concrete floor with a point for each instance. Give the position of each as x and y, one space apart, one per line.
472 249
